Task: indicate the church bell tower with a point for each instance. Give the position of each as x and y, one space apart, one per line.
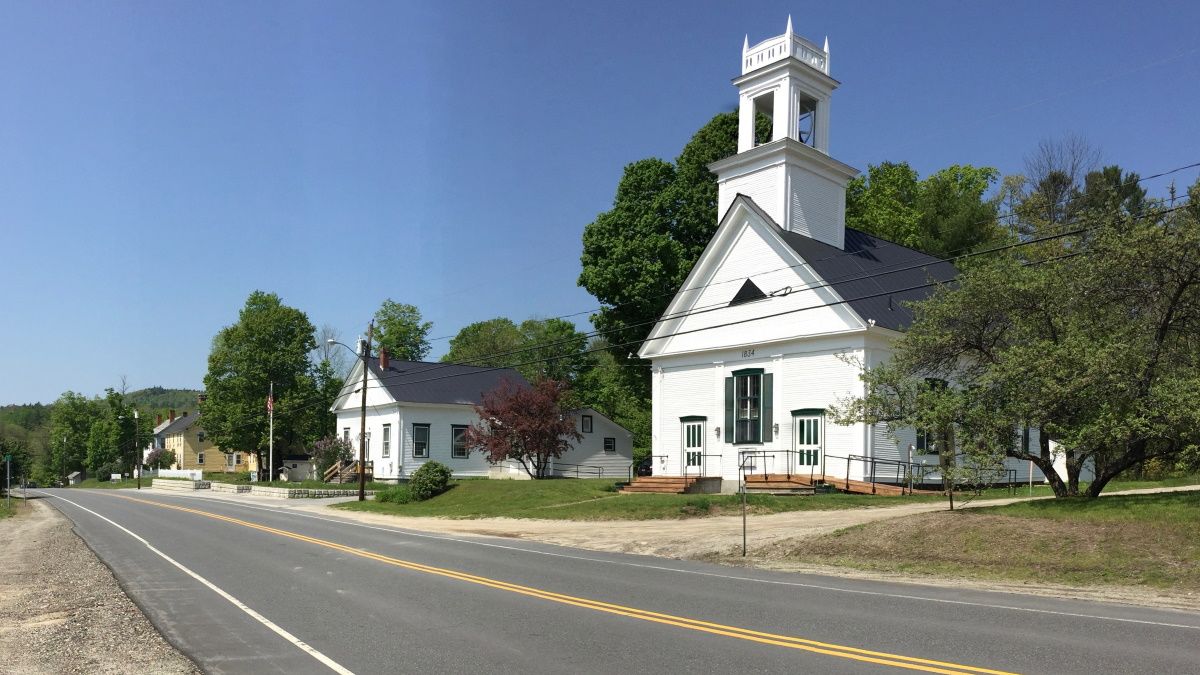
790 175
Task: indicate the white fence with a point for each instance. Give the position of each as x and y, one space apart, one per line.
194 474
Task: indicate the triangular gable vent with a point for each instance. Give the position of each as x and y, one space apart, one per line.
748 293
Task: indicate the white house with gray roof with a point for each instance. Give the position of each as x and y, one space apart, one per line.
785 303
419 411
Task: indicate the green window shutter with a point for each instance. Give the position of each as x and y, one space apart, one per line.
729 410
767 401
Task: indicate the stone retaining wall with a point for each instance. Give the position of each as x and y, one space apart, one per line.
180 485
300 493
229 487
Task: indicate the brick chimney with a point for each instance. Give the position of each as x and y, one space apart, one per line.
383 358
158 420
172 418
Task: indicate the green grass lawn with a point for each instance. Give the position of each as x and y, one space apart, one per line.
1137 540
597 499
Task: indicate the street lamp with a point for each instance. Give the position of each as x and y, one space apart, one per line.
362 433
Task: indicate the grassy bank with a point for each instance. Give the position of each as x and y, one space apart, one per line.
596 499
1136 540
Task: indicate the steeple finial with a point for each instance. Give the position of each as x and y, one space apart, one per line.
746 45
826 54
789 28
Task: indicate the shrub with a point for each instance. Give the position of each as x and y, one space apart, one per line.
328 451
428 481
105 471
396 494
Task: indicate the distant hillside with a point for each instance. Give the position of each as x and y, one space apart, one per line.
159 398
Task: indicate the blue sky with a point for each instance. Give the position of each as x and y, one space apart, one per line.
161 160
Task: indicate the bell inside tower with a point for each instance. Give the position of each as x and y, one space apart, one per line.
806 122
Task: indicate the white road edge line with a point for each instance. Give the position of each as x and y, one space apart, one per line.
333 665
798 584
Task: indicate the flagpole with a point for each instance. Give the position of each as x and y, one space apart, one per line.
271 433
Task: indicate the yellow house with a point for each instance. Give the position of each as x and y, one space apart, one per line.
193 450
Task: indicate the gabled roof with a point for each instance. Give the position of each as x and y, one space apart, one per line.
597 413
180 425
875 276
432 382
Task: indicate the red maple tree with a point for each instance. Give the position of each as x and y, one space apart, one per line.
524 423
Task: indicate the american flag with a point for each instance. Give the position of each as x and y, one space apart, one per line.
270 404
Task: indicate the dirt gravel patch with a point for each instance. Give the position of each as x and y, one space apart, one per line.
62 610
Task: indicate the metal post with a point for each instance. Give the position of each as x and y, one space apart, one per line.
362 433
910 469
743 512
8 483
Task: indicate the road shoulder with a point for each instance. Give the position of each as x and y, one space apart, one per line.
62 610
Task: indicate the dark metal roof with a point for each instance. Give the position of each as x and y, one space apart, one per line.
181 424
875 276
426 382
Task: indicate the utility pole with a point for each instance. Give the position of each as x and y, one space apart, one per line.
362 431
137 459
271 434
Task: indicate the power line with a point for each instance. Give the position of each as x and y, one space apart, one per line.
304 406
962 249
830 304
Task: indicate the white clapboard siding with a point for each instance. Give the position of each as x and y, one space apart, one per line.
589 452
818 205
683 391
774 267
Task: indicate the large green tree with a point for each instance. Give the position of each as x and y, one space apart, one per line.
945 214
110 439
71 418
537 348
400 329
637 254
1092 341
269 343
487 343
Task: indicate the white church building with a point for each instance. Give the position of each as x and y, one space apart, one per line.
785 302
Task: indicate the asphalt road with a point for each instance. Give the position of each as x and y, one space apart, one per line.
252 589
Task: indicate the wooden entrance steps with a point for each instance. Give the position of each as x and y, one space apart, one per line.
347 472
782 484
660 484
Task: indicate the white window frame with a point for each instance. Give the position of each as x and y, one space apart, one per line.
610 444
455 450
423 453
387 440
748 418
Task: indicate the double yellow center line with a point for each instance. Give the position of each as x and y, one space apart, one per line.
828 649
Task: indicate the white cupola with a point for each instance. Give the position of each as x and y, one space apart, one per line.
791 176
